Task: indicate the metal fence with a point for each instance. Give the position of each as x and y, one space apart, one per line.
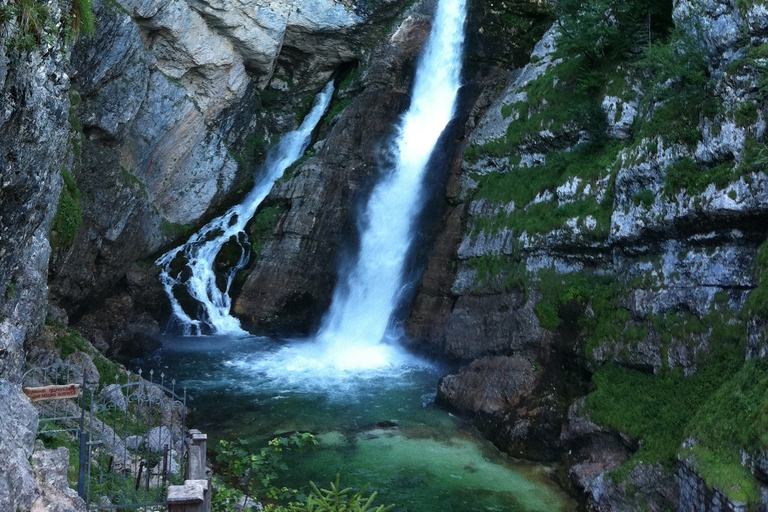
130 435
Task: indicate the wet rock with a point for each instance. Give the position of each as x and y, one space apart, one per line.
290 285
489 385
491 324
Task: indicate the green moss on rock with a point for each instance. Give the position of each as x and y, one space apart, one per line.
69 217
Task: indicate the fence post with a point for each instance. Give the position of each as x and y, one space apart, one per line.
195 494
83 445
196 455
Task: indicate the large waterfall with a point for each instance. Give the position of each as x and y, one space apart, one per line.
199 253
362 307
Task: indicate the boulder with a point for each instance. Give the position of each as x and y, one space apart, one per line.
51 477
489 385
84 367
113 394
158 438
18 428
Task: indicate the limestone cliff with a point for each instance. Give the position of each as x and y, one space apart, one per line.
608 219
34 130
177 103
594 242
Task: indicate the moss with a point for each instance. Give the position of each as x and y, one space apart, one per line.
176 230
524 184
757 301
291 170
654 408
69 341
732 420
262 226
546 312
351 77
644 197
693 179
724 471
337 108
66 224
746 114
130 179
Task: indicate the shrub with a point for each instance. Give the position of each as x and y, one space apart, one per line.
254 471
81 18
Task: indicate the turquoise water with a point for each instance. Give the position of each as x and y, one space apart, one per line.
378 427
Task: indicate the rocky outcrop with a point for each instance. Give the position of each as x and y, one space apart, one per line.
656 229
177 102
291 283
34 130
18 425
51 477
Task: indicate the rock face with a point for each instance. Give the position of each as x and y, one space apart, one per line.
314 209
18 425
292 281
51 477
545 236
175 105
33 145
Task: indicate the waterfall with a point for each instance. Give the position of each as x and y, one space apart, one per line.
362 307
199 253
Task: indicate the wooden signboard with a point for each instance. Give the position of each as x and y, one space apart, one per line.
52 392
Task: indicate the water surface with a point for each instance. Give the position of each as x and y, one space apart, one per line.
374 426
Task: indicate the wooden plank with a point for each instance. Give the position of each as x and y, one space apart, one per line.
52 392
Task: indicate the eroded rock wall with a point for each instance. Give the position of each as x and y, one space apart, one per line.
34 129
606 229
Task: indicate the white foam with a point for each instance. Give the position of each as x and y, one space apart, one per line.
361 310
201 249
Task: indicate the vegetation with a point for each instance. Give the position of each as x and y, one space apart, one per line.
34 24
69 341
250 473
254 470
176 230
262 226
69 217
82 22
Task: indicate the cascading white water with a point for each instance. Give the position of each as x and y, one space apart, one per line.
362 308
201 249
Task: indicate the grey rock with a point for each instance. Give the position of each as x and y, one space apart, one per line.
697 496
51 477
134 443
491 324
113 394
488 385
18 428
158 438
84 367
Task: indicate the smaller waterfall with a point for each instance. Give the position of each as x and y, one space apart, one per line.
199 253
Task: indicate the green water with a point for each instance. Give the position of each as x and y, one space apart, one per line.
379 427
